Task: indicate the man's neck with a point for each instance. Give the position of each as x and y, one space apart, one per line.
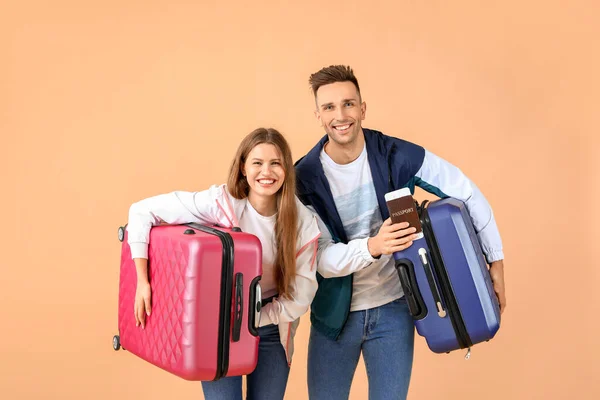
345 154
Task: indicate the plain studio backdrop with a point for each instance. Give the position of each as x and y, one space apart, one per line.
103 103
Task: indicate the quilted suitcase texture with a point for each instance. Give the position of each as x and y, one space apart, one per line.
446 280
205 292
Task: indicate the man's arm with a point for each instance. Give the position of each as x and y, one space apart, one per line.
441 178
340 259
497 274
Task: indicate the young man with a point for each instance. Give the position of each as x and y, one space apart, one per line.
359 306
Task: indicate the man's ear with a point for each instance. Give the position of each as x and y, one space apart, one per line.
363 110
318 117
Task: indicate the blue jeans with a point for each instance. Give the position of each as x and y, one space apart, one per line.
267 382
384 335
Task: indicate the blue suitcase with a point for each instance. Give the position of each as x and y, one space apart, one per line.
446 281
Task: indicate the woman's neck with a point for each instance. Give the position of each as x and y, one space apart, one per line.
264 205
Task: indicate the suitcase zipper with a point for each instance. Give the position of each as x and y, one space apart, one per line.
226 295
456 319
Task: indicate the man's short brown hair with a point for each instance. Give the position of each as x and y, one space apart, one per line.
332 74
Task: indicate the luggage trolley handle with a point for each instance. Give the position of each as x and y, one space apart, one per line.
432 283
238 307
255 305
408 281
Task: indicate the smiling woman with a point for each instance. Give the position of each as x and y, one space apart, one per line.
263 170
259 198
265 175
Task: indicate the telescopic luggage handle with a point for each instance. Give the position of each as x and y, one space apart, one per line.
432 283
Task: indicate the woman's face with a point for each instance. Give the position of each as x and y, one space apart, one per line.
264 170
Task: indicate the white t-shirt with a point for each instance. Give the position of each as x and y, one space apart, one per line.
263 228
355 199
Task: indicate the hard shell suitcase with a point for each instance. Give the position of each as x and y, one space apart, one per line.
446 281
205 301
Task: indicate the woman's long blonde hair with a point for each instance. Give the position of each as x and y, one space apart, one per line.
286 225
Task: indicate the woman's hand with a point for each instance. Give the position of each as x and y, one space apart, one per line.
143 292
142 305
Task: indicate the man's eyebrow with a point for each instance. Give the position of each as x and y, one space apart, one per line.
343 101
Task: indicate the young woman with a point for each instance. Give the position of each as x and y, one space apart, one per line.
259 197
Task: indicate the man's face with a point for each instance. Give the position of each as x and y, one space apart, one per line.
340 111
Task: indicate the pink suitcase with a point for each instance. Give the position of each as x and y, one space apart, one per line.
205 301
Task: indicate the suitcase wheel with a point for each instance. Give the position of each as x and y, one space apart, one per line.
116 342
121 233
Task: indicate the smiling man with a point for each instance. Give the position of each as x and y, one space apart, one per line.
359 306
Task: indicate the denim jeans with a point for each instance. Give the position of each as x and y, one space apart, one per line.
384 335
267 382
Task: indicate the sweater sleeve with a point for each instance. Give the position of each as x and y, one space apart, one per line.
443 179
177 207
341 259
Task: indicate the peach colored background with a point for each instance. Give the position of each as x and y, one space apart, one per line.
105 102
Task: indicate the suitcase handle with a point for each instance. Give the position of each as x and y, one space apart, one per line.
432 283
255 305
408 280
238 307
